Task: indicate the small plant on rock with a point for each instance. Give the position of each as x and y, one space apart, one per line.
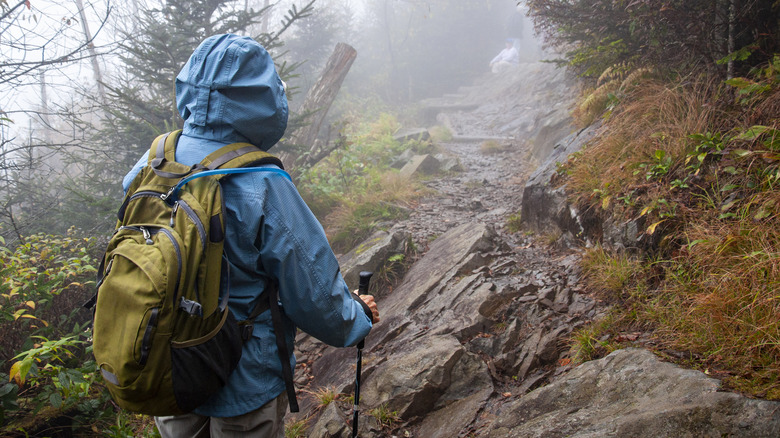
325 396
384 415
490 147
514 223
296 429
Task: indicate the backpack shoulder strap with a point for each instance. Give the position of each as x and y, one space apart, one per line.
237 155
163 149
162 157
230 159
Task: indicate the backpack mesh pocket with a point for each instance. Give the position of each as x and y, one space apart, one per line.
200 367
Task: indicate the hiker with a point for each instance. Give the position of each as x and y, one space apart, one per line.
229 91
506 59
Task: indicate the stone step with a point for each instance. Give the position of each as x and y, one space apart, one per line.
479 138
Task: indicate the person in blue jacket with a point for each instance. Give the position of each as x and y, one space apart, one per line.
229 91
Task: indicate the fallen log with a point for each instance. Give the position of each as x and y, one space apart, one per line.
315 107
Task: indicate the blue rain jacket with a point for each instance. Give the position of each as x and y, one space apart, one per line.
228 92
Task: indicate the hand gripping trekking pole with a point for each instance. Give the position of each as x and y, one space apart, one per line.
365 277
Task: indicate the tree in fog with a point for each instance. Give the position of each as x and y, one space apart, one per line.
313 38
41 40
602 34
140 101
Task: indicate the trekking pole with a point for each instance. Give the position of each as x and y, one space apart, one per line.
365 277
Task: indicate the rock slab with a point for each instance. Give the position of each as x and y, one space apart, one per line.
632 393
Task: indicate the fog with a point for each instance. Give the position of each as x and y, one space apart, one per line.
86 84
407 49
410 50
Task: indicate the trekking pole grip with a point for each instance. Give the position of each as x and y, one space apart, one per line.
365 277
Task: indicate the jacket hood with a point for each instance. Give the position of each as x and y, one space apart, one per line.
229 91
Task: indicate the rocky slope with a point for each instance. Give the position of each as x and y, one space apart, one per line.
474 339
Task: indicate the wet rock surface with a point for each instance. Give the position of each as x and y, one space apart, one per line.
481 321
631 393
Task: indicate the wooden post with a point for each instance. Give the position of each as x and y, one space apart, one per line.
318 102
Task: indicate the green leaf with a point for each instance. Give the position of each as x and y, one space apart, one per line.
739 82
753 132
727 206
7 389
729 187
742 153
762 213
55 400
696 242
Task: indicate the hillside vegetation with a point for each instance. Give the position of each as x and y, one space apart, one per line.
690 148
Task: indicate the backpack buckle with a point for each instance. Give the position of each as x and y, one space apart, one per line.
192 307
247 327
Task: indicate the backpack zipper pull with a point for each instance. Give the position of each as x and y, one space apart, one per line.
147 236
173 212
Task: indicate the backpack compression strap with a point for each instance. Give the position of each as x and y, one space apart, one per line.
281 343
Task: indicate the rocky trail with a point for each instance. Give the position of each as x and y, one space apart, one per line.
474 340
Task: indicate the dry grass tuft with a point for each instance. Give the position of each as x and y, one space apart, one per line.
723 296
609 273
489 147
440 134
355 219
654 117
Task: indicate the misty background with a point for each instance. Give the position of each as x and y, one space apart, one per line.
87 84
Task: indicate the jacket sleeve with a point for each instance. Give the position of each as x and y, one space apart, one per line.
295 250
128 179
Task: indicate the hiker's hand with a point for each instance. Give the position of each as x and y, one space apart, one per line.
369 300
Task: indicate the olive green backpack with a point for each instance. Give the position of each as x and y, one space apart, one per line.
163 336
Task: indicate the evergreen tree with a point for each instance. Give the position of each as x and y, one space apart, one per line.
141 96
681 35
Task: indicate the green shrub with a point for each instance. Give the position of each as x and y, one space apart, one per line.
46 279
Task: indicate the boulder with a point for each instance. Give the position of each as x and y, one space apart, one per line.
631 393
545 206
372 254
331 423
448 256
420 165
424 374
448 163
417 134
401 160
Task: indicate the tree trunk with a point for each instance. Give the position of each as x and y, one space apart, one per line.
45 109
317 104
731 47
266 16
92 52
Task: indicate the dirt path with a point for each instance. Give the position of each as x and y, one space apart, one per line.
489 190
524 343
